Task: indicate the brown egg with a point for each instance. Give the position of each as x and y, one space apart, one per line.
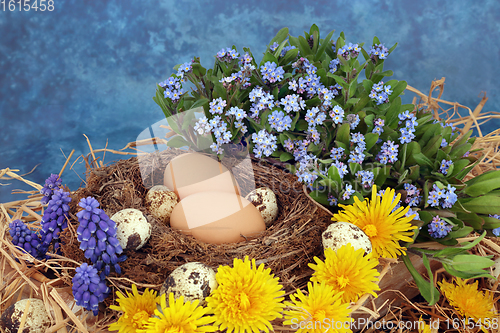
217 217
193 173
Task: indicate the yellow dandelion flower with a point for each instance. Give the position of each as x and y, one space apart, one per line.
322 310
348 271
247 297
136 310
384 227
423 327
468 301
179 317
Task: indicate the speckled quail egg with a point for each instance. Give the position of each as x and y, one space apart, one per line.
194 280
264 200
495 273
132 228
160 202
37 319
339 234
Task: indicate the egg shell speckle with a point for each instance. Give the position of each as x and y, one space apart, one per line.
265 201
194 280
37 319
133 229
160 202
339 234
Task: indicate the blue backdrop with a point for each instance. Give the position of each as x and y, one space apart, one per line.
91 67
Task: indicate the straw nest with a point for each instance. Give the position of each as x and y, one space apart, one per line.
286 247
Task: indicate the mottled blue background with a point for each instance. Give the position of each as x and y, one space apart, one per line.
91 66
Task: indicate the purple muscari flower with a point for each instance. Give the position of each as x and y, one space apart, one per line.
348 192
51 183
445 166
89 288
97 236
439 228
25 238
54 219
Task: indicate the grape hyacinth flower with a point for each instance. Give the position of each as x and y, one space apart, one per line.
88 288
54 219
25 238
97 236
439 228
51 183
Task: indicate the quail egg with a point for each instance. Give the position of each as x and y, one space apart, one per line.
160 202
133 229
264 200
194 281
37 319
339 234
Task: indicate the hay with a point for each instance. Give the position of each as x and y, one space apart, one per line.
287 247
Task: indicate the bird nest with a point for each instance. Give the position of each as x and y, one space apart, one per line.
287 246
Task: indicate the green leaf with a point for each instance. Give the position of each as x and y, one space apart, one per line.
277 52
370 140
324 45
280 36
268 57
301 125
200 102
491 222
421 159
485 204
392 112
354 168
289 56
382 176
343 134
304 48
461 232
285 156
466 274
458 167
397 90
471 219
468 262
427 288
333 174
432 147
320 197
484 186
352 101
177 142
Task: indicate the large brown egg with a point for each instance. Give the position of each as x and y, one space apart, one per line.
193 173
217 217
